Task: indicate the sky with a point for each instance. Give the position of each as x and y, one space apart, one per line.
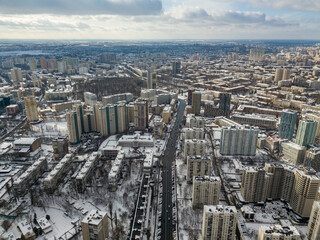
160 19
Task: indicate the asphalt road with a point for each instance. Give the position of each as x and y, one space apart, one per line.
167 160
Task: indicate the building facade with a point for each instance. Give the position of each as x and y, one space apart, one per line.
219 222
306 132
239 141
287 124
205 191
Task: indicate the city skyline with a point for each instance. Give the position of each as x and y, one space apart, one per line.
156 19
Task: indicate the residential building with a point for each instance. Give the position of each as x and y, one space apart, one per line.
166 114
113 119
306 132
287 124
196 103
141 114
293 153
193 147
60 147
205 191
219 222
31 109
312 159
304 192
254 187
16 75
239 141
95 226
276 232
23 183
90 98
198 166
74 131
194 133
58 173
253 120
313 231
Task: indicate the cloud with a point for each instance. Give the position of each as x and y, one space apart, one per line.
200 16
81 7
306 5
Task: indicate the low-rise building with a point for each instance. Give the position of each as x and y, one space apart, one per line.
293 152
58 173
116 171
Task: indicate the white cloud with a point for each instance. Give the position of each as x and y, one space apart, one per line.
81 7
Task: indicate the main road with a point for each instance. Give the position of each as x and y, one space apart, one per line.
167 160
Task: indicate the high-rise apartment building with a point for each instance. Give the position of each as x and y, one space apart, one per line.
276 232
193 147
205 191
287 124
196 103
253 184
304 192
224 103
198 166
314 117
306 132
16 75
194 133
31 109
78 108
141 114
239 141
276 173
149 79
113 119
219 222
313 231
60 147
95 226
278 75
176 68
286 74
74 130
43 63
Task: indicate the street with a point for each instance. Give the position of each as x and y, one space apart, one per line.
168 159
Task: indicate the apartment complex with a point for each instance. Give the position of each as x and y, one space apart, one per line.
25 180
205 191
86 172
238 141
298 187
58 173
219 222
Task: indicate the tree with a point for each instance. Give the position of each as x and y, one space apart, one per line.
48 217
6 225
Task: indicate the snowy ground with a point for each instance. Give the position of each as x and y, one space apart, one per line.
50 128
66 205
